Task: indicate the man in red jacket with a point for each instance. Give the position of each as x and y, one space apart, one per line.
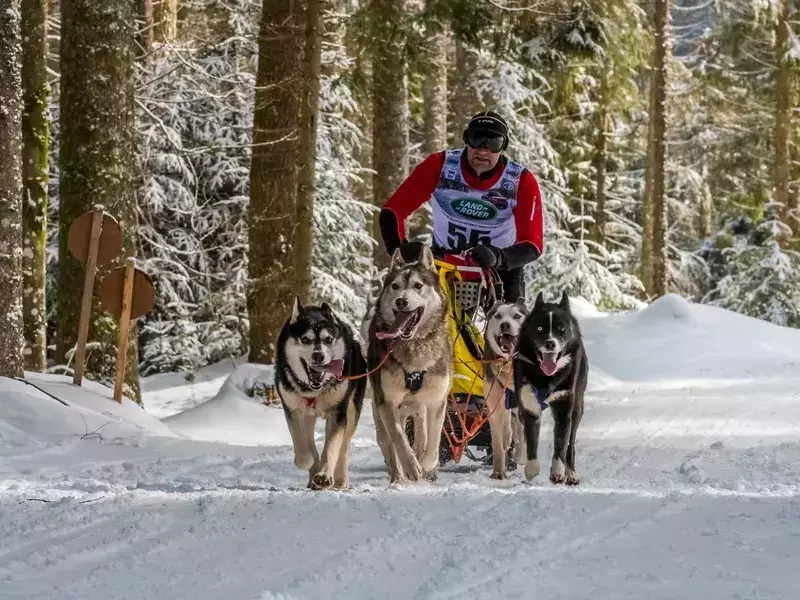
482 203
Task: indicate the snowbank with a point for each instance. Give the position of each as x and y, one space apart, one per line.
233 415
56 409
672 339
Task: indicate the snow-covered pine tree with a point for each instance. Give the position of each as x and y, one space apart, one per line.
763 278
35 155
11 335
540 82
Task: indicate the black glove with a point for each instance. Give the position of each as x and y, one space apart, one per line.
487 257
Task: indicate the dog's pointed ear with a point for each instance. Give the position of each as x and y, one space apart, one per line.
564 301
539 301
296 308
398 262
327 310
426 258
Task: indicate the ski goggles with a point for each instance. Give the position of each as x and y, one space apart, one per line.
492 142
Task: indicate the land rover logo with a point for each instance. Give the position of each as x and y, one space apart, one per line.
474 208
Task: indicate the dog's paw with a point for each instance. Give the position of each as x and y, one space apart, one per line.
321 481
341 484
431 475
498 475
571 478
557 471
531 469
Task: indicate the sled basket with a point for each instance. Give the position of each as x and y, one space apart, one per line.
468 294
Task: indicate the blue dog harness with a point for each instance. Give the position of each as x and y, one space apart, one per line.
541 397
540 393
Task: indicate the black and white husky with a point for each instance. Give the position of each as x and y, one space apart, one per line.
316 354
551 369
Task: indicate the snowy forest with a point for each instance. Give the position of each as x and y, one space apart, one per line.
246 150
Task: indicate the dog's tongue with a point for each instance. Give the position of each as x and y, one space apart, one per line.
548 363
509 342
400 321
334 367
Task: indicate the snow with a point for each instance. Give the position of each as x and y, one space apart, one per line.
689 455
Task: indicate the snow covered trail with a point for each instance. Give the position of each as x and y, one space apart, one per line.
689 455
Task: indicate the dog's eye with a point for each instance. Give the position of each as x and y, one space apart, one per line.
305 340
395 286
418 286
517 316
540 328
328 340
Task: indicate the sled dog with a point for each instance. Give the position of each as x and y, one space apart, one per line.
414 381
551 369
503 324
316 353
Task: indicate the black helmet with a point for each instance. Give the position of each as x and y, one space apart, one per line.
487 124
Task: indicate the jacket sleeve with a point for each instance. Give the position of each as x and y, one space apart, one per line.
412 193
529 221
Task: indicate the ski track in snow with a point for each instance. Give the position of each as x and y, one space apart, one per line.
690 489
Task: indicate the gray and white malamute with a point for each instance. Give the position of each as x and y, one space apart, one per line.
410 323
551 369
503 324
316 353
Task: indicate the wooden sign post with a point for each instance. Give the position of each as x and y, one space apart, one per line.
94 239
127 293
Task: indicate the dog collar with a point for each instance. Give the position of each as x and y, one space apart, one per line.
414 380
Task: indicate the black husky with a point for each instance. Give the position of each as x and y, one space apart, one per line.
551 369
317 359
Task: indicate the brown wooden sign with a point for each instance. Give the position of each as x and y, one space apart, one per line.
127 293
143 293
94 238
108 245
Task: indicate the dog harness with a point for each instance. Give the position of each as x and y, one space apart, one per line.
541 396
414 380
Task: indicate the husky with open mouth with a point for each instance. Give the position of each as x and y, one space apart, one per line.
317 358
414 380
503 324
551 369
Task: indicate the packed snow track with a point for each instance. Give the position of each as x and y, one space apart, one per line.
689 457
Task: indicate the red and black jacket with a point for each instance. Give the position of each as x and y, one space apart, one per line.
421 183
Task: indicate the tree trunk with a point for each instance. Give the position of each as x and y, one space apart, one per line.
35 169
273 175
600 159
364 190
783 114
96 160
434 96
464 97
647 199
658 116
307 152
389 107
11 324
165 20
706 209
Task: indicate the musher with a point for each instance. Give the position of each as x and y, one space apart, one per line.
482 203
